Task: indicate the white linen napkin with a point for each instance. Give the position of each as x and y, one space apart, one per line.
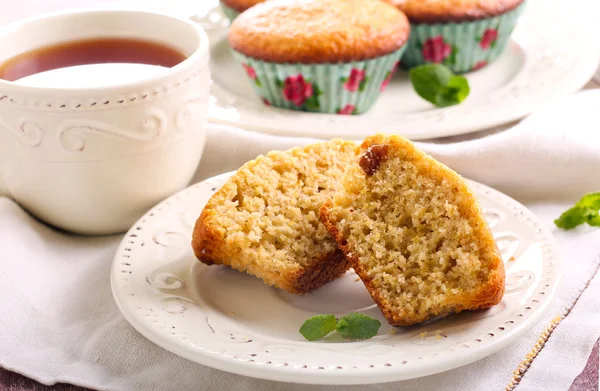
59 323
552 154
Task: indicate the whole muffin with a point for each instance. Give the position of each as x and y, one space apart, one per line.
232 8
465 35
330 56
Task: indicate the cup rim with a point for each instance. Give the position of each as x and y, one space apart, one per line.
201 51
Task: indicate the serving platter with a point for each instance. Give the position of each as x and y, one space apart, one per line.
231 321
541 62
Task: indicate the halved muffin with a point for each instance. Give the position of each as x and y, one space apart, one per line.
265 219
414 233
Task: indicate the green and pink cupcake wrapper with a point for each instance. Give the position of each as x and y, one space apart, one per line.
229 12
463 47
345 88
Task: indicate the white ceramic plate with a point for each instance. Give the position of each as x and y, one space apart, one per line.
232 321
541 63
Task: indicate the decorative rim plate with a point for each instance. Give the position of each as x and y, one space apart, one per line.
542 62
231 321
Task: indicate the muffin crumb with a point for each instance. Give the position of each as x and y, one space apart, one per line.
418 238
265 219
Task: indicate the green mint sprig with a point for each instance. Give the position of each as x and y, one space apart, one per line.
353 326
585 211
437 84
358 326
318 327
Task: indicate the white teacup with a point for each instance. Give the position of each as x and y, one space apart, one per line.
93 160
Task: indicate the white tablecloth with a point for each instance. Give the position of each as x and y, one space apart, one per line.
58 321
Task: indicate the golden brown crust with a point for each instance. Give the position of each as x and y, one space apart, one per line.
210 249
241 5
445 11
487 295
205 240
323 269
207 245
319 31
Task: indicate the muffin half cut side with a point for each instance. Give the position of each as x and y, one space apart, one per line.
414 233
265 219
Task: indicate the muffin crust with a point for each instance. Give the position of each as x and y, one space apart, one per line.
319 31
445 11
241 5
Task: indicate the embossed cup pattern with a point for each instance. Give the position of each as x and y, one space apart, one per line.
92 161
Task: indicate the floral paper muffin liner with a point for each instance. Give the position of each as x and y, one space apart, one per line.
229 12
463 47
345 88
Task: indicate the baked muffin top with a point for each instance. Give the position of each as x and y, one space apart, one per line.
319 31
241 5
442 11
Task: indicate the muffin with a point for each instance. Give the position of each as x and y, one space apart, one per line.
465 35
265 219
328 56
232 8
414 233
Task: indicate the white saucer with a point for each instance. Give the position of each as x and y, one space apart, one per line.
542 62
232 321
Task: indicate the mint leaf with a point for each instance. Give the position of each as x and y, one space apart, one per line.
571 218
437 84
429 79
590 200
454 92
318 326
594 220
585 211
358 326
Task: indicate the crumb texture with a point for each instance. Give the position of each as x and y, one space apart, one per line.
414 233
265 219
442 11
319 31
